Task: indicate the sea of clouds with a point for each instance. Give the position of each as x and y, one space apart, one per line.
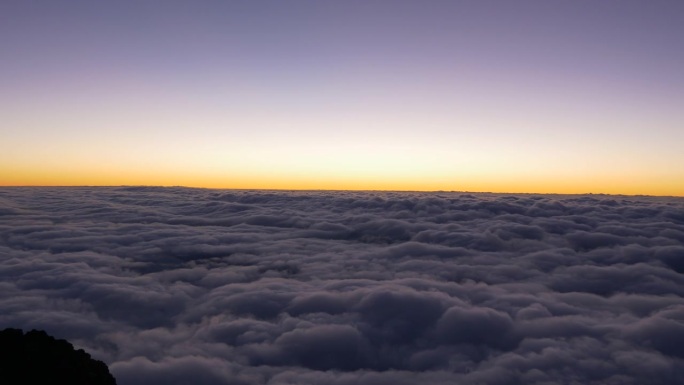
195 286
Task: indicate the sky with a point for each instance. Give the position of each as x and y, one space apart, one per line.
525 96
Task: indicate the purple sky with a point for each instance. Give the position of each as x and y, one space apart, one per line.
456 94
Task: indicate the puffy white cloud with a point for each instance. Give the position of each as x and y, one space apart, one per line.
174 285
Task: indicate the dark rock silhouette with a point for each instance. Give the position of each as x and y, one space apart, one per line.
36 357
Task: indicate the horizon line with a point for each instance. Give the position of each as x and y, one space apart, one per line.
340 190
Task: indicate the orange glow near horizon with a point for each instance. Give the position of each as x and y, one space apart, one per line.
400 162
506 165
607 184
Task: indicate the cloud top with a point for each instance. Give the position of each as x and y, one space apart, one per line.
170 285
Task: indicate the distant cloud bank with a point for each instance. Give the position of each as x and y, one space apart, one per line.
177 286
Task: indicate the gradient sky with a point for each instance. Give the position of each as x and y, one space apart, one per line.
507 96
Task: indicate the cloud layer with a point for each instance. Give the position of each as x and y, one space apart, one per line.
174 286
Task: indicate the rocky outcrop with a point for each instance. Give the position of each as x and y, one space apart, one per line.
35 357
